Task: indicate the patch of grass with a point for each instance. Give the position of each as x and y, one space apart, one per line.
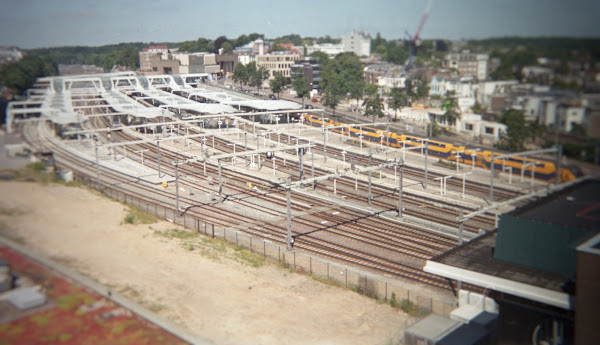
177 233
329 282
407 306
248 258
36 172
137 216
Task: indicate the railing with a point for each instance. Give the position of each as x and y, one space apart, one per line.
353 278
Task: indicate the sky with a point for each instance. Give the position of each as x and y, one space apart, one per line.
49 23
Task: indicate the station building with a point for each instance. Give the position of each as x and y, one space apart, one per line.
541 266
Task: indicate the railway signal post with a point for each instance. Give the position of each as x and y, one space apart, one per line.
369 195
401 164
426 155
177 183
289 238
158 159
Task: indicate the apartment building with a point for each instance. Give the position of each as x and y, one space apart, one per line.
358 43
277 62
467 63
149 57
158 60
328 48
311 71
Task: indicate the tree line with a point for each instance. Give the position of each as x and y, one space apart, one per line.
21 75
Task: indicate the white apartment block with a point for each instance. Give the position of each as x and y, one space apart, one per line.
277 62
245 59
328 48
468 63
358 43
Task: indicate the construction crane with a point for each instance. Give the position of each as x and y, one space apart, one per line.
412 44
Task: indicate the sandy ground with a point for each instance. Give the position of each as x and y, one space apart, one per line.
208 290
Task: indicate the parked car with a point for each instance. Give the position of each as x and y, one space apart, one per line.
272 96
314 100
308 106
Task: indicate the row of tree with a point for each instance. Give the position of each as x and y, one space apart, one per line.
21 75
250 74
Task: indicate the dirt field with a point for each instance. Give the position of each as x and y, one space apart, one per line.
215 291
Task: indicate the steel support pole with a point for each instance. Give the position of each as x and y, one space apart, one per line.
258 155
426 154
324 145
97 166
289 214
301 173
492 180
177 185
387 138
369 195
245 145
312 166
220 180
460 227
158 150
400 190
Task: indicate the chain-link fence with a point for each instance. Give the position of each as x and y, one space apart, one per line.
345 276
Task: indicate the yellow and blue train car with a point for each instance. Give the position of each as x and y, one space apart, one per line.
436 148
543 170
540 169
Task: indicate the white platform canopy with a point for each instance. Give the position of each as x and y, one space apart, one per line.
511 287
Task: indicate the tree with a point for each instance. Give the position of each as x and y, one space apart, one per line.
241 40
321 58
518 130
399 100
421 88
21 75
477 108
278 48
240 74
373 106
257 75
277 83
452 113
397 54
204 45
300 84
332 88
219 43
433 130
227 48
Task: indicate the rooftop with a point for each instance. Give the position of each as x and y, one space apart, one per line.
478 256
578 206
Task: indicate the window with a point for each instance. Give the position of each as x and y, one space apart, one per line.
468 126
489 130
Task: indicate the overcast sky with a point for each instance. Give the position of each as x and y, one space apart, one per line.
46 23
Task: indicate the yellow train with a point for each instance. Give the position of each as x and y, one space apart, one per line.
540 169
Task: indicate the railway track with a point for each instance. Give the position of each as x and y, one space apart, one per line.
337 233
